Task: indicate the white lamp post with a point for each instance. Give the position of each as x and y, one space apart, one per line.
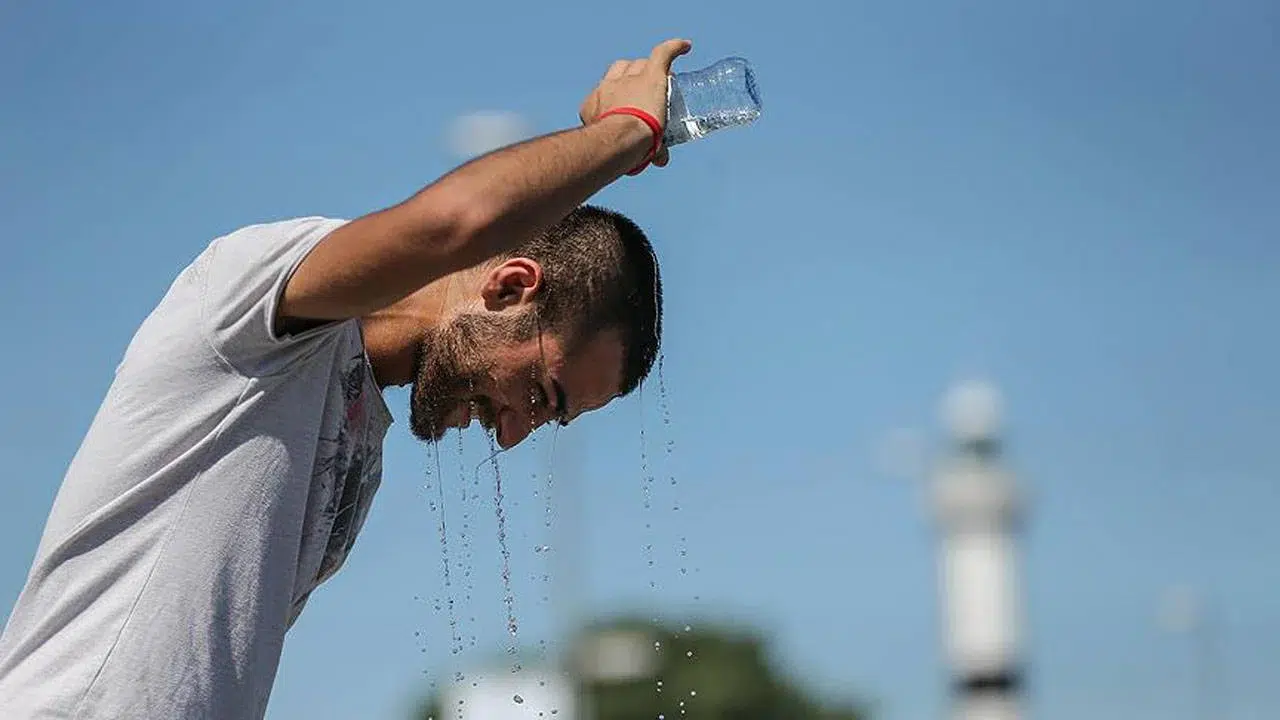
978 510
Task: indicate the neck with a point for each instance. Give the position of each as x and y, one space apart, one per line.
393 334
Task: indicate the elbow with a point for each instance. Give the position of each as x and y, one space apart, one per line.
477 219
459 224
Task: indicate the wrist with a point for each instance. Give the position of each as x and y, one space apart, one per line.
638 131
632 130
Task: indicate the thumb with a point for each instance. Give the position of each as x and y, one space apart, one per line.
666 53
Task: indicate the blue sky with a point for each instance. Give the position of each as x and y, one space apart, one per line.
1078 200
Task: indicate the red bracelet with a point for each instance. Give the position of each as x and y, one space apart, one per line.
649 120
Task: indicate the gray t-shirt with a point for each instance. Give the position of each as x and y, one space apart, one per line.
225 477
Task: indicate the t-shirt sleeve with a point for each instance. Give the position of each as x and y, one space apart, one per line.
245 274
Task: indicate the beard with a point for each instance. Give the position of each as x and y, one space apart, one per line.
453 363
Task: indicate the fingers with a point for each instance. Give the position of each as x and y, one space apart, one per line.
617 69
666 53
662 158
626 68
661 57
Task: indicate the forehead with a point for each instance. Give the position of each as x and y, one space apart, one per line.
591 375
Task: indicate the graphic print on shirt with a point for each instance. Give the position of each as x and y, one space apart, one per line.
350 464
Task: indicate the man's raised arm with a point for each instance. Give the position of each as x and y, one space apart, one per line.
485 207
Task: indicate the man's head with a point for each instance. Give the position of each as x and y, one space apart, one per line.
562 325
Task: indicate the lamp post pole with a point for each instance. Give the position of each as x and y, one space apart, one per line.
977 506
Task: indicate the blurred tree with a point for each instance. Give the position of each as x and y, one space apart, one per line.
709 673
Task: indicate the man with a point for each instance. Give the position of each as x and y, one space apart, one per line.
236 454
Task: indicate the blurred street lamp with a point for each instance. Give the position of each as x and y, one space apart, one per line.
617 656
978 509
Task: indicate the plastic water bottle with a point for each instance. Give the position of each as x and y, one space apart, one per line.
700 102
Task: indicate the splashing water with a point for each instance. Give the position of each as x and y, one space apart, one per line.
466 563
646 479
542 548
647 488
508 596
456 638
548 511
476 493
682 549
419 640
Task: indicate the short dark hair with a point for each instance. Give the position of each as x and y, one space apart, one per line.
600 273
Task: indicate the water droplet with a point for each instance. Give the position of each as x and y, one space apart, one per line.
518 700
687 628
508 597
693 693
456 645
657 644
688 653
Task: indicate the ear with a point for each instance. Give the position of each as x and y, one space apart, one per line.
511 283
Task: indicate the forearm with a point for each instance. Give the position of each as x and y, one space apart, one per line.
514 193
482 209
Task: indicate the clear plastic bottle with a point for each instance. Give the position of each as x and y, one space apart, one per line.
699 102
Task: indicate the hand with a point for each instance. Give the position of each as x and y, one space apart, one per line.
639 83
